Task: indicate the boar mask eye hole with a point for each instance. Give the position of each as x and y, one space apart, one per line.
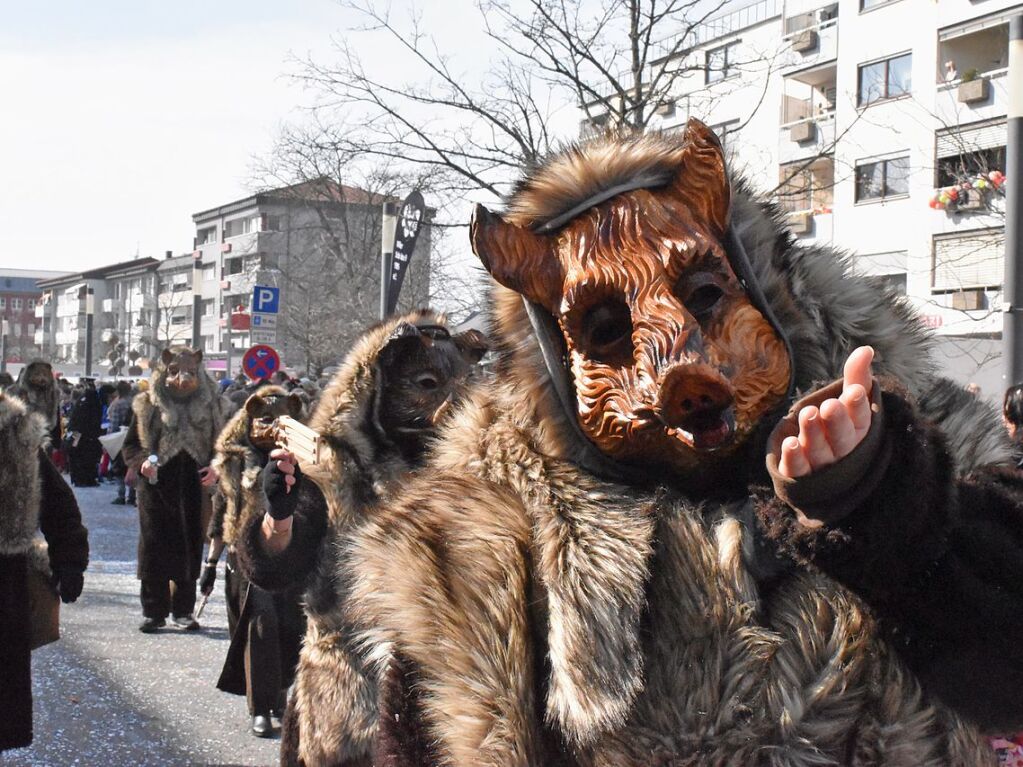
607 330
427 381
700 294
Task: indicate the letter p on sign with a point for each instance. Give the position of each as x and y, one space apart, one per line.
266 300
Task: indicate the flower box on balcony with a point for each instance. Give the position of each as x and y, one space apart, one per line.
970 200
969 300
803 132
973 91
805 40
665 109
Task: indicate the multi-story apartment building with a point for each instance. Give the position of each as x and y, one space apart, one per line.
19 294
319 242
879 126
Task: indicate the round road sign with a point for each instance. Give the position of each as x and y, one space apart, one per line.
261 361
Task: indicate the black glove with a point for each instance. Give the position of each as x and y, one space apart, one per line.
207 578
282 502
69 583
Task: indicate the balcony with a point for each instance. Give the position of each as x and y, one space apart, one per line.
40 311
973 61
807 114
805 194
812 38
39 338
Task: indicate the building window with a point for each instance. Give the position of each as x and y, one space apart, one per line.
232 266
15 303
886 79
206 235
807 187
966 260
271 223
967 151
721 62
887 271
207 307
3 302
882 179
31 303
866 5
726 133
237 226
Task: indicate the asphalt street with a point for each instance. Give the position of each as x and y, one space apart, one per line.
108 695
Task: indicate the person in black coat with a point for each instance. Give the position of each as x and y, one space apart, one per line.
84 429
35 499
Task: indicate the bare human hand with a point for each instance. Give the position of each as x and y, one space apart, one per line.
830 433
286 462
208 476
147 469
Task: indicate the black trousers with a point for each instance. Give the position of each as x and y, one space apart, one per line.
158 602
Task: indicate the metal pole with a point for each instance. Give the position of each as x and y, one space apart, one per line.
197 305
387 232
89 308
227 359
1012 321
4 330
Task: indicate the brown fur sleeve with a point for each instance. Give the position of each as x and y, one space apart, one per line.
940 560
60 520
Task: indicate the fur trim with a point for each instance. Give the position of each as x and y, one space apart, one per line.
240 470
168 426
335 699
22 434
974 430
657 643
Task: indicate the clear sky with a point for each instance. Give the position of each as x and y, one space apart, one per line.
121 118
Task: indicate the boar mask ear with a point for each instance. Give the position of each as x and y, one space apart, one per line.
515 257
167 357
295 406
702 178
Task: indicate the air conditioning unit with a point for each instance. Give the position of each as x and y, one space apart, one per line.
969 300
805 40
801 223
665 109
804 132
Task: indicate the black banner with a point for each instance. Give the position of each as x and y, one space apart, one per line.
410 219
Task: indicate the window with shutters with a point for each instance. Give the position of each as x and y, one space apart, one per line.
968 151
967 260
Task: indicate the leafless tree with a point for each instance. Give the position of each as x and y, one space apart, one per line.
618 60
330 273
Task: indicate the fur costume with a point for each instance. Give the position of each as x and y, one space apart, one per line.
35 499
41 399
534 611
182 432
266 629
332 713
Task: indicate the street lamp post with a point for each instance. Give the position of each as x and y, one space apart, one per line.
1012 327
5 329
387 231
90 299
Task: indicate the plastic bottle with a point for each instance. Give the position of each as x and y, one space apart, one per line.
154 461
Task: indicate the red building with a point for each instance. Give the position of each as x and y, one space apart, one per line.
19 295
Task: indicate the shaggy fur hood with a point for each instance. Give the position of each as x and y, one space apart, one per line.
168 426
22 434
46 403
240 467
345 414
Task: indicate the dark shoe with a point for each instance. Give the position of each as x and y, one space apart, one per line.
261 726
152 625
118 502
186 622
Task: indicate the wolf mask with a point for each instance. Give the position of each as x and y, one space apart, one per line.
672 360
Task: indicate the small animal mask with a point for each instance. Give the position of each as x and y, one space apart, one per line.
670 360
264 407
40 375
181 365
422 371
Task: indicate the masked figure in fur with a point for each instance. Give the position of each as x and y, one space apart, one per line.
623 552
34 499
38 389
266 628
378 416
169 445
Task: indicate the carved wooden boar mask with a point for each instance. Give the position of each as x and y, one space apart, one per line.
670 359
180 371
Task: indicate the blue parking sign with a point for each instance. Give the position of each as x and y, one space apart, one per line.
266 300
